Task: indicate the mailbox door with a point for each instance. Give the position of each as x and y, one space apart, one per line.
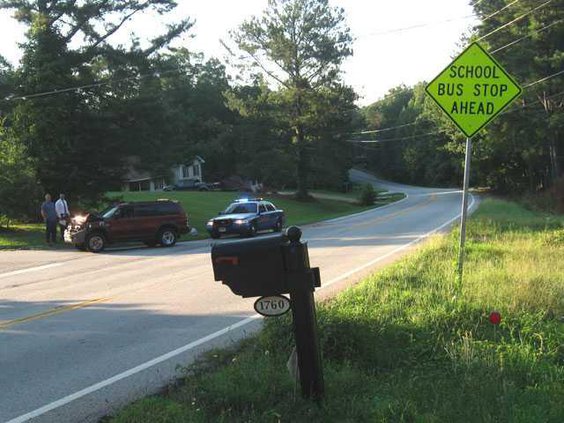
251 268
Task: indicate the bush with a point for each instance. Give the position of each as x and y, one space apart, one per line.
20 194
367 195
549 200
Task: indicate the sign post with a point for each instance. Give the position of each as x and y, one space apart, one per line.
464 212
472 91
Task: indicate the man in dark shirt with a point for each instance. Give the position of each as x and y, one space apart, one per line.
50 217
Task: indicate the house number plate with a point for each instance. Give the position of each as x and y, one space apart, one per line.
274 305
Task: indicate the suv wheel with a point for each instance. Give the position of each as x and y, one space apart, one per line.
167 237
95 242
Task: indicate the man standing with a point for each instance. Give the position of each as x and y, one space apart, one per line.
63 214
50 217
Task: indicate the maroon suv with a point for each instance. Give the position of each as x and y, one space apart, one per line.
152 222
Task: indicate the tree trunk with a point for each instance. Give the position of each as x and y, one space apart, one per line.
552 149
554 159
302 165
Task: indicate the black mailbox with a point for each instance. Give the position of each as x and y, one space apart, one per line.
264 266
278 265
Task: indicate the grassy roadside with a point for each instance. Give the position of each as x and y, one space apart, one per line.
401 347
200 206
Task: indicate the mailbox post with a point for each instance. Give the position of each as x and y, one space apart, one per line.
304 319
272 266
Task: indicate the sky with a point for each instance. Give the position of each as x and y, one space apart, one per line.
396 41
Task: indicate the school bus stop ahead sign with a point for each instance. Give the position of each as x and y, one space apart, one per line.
473 89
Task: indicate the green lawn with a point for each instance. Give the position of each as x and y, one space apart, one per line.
200 207
405 345
30 235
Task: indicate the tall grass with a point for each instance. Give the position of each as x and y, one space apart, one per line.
406 346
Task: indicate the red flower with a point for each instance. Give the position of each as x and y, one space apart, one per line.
495 317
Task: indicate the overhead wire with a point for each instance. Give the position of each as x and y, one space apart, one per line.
157 74
512 110
546 78
526 36
493 52
513 21
102 83
427 24
375 131
421 137
505 25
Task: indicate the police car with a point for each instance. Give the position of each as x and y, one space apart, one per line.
246 217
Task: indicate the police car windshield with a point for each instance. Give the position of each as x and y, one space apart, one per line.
237 208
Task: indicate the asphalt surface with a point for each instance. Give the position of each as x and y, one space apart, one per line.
83 334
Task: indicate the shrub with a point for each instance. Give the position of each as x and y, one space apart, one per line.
367 195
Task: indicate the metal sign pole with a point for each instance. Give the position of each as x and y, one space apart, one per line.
464 212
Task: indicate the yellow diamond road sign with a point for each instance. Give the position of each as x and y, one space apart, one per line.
473 89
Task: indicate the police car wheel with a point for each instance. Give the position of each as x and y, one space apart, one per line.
278 226
167 237
95 242
253 230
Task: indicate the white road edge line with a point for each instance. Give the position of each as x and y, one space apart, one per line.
29 269
394 251
144 366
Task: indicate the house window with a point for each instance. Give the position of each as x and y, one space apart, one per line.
185 171
197 170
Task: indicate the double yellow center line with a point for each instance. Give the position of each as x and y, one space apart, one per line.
51 312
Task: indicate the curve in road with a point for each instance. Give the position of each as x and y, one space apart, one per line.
81 335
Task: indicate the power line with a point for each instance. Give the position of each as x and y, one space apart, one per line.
526 36
416 26
493 52
513 21
499 11
375 131
93 85
418 136
392 139
423 25
546 78
515 109
157 75
503 26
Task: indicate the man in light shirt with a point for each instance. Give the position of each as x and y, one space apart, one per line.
63 214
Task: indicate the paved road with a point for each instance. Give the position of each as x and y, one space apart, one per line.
83 334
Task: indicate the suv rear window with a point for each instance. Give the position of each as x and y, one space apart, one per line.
157 209
168 208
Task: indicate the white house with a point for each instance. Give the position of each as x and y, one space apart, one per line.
180 173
